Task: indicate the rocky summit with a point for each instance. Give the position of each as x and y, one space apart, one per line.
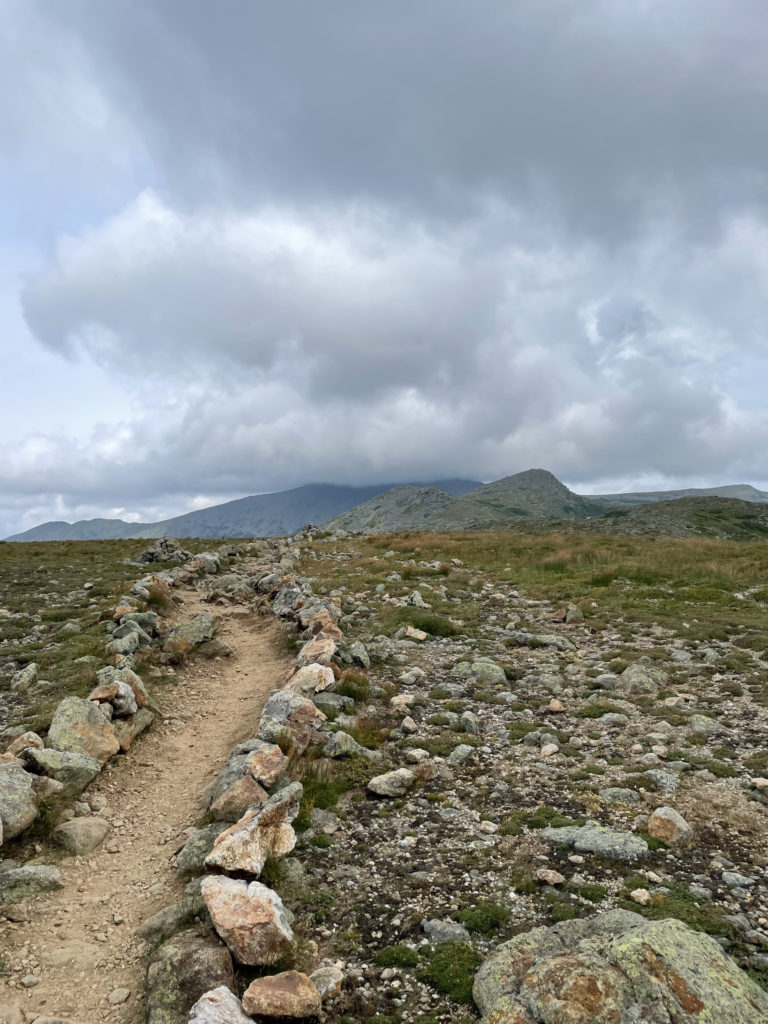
409 778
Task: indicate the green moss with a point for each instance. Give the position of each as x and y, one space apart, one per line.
593 893
322 842
396 956
517 730
595 709
542 817
679 903
485 917
451 969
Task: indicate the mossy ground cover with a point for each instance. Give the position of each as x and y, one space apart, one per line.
688 585
43 587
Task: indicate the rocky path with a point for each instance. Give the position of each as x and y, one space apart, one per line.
80 944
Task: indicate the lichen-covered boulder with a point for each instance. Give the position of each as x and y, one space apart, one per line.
180 972
615 968
18 805
596 838
190 860
182 639
74 771
81 836
21 883
127 729
642 676
80 727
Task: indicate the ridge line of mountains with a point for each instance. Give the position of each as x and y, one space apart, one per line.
534 495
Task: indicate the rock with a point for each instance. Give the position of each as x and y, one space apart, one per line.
79 727
549 876
735 878
118 996
23 679
127 729
641 896
180 972
173 918
287 713
249 917
235 801
704 724
396 783
641 677
311 679
18 805
320 650
460 753
182 639
265 762
327 981
411 633
166 549
617 795
21 883
444 931
190 860
109 675
415 600
125 645
120 695
234 769
671 827
612 968
24 742
74 771
596 838
290 994
219 1006
341 744
81 836
262 832
573 614
555 706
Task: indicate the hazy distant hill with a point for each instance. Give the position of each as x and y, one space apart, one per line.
534 494
260 515
744 492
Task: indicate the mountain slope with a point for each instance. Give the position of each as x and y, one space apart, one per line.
534 494
260 515
724 518
743 492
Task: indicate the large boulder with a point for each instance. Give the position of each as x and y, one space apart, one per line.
262 832
18 806
320 650
180 972
81 836
249 917
289 994
244 793
612 969
190 634
80 727
311 679
596 838
288 714
21 883
265 762
73 771
395 783
642 676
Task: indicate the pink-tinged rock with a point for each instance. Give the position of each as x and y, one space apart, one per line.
235 801
79 727
311 679
290 994
219 1006
249 917
265 763
317 651
670 826
262 832
27 739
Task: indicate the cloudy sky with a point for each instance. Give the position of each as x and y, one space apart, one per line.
247 245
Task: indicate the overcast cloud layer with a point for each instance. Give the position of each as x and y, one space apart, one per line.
249 245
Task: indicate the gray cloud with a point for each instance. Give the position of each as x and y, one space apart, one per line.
359 242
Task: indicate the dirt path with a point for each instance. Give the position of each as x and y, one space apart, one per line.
83 937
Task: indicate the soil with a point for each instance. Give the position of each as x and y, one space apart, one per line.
154 797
